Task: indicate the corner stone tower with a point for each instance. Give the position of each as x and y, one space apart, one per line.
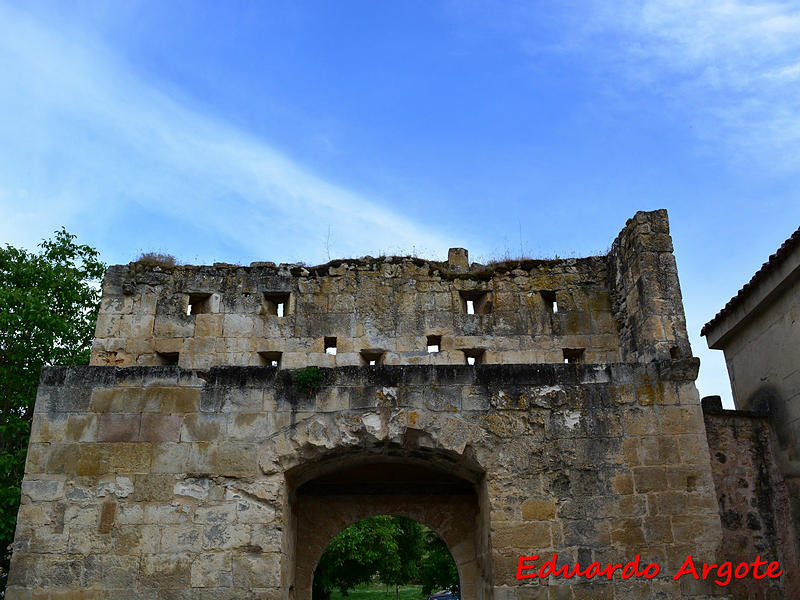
234 419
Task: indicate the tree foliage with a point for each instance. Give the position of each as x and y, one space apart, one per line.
437 568
48 309
387 549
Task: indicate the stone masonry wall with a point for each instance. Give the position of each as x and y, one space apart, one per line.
192 460
647 296
160 482
754 502
624 306
384 308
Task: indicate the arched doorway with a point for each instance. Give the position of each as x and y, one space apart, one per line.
432 487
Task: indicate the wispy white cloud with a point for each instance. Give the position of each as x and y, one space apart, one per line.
86 135
730 65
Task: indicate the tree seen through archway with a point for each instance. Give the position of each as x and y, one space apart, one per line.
389 550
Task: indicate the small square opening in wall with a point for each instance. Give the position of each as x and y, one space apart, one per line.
270 358
276 303
549 298
371 357
474 356
330 346
434 343
167 359
199 304
475 302
573 355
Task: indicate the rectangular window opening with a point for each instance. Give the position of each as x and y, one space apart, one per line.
573 355
199 304
474 356
270 358
330 346
275 303
549 298
434 343
167 359
372 357
475 302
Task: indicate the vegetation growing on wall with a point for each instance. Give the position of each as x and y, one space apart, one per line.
156 259
308 379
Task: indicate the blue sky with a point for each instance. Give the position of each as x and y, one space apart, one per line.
295 131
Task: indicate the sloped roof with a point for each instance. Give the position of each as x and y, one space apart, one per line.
768 267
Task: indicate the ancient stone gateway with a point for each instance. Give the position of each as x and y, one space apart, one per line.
518 408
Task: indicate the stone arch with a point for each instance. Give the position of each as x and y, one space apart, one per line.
432 448
365 485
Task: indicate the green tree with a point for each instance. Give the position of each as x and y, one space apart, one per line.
403 567
438 570
48 310
355 556
393 550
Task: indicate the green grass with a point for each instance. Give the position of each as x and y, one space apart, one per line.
378 592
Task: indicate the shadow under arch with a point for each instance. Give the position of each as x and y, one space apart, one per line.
437 488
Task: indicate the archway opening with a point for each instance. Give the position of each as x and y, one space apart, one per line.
392 554
438 490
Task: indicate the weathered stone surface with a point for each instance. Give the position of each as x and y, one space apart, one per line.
223 477
755 511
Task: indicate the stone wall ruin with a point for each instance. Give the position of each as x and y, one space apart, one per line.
559 415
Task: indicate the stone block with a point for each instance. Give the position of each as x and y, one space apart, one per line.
108 515
167 514
93 459
237 459
208 325
181 538
61 458
208 569
249 427
66 399
169 345
122 400
118 427
222 536
165 571
160 428
170 326
256 570
648 479
43 490
202 458
199 427
81 428
129 457
535 509
170 457
49 427
627 532
153 487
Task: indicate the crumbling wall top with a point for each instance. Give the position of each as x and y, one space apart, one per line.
400 310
